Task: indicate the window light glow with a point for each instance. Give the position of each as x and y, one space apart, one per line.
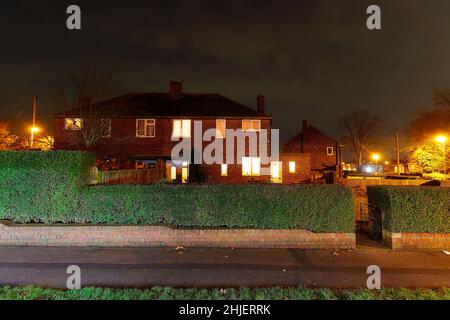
292 168
224 170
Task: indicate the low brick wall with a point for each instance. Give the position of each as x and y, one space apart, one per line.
159 236
431 241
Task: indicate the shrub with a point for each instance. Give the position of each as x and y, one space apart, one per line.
317 208
52 187
413 209
42 186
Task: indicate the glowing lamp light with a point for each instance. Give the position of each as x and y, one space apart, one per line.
441 139
376 156
35 129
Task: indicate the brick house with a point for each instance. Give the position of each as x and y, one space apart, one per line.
138 131
323 149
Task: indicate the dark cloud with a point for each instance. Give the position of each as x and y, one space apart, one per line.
312 59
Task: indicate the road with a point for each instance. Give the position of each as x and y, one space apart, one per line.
140 267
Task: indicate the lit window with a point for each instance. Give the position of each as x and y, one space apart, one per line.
292 167
251 125
251 166
224 170
275 171
221 126
173 173
145 128
181 129
185 172
73 124
330 151
106 128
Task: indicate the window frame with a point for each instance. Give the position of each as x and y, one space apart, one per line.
332 151
73 128
252 172
221 135
252 121
181 135
145 127
224 170
292 167
109 128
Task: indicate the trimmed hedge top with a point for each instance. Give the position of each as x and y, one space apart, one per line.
51 187
413 209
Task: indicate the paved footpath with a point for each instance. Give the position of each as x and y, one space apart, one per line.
115 267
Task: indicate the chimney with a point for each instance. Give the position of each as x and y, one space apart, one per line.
176 89
305 124
261 104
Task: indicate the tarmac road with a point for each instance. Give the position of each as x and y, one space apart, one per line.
141 267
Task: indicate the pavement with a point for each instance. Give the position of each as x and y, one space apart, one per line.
206 268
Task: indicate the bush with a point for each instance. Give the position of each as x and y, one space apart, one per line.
413 209
42 186
317 208
52 188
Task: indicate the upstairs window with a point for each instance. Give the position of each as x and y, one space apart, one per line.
145 128
221 127
73 124
330 151
181 129
106 128
251 125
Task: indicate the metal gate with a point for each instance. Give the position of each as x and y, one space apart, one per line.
371 222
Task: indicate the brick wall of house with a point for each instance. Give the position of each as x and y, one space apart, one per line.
313 141
123 142
425 241
302 165
157 236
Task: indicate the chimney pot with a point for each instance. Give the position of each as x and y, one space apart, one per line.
261 104
176 89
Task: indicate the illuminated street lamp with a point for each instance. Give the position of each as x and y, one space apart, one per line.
33 130
376 157
443 139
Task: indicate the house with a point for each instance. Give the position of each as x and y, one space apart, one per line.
138 130
323 150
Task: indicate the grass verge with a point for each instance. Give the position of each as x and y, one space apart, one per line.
158 293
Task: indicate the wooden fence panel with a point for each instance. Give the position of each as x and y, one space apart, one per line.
144 176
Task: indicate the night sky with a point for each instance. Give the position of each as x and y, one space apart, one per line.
312 59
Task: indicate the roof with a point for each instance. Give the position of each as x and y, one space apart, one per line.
293 145
163 105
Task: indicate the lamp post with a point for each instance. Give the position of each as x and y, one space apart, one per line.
443 140
376 157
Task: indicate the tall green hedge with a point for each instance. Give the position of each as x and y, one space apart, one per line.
51 187
317 208
413 209
42 186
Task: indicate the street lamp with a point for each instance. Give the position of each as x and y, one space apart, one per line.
443 139
376 157
33 130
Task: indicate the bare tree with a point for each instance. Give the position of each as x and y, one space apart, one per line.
96 83
358 129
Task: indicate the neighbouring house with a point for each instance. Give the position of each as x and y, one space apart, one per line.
137 132
321 148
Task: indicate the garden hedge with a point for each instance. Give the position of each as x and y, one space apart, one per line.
52 188
413 209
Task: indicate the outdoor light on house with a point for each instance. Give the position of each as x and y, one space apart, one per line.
35 129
